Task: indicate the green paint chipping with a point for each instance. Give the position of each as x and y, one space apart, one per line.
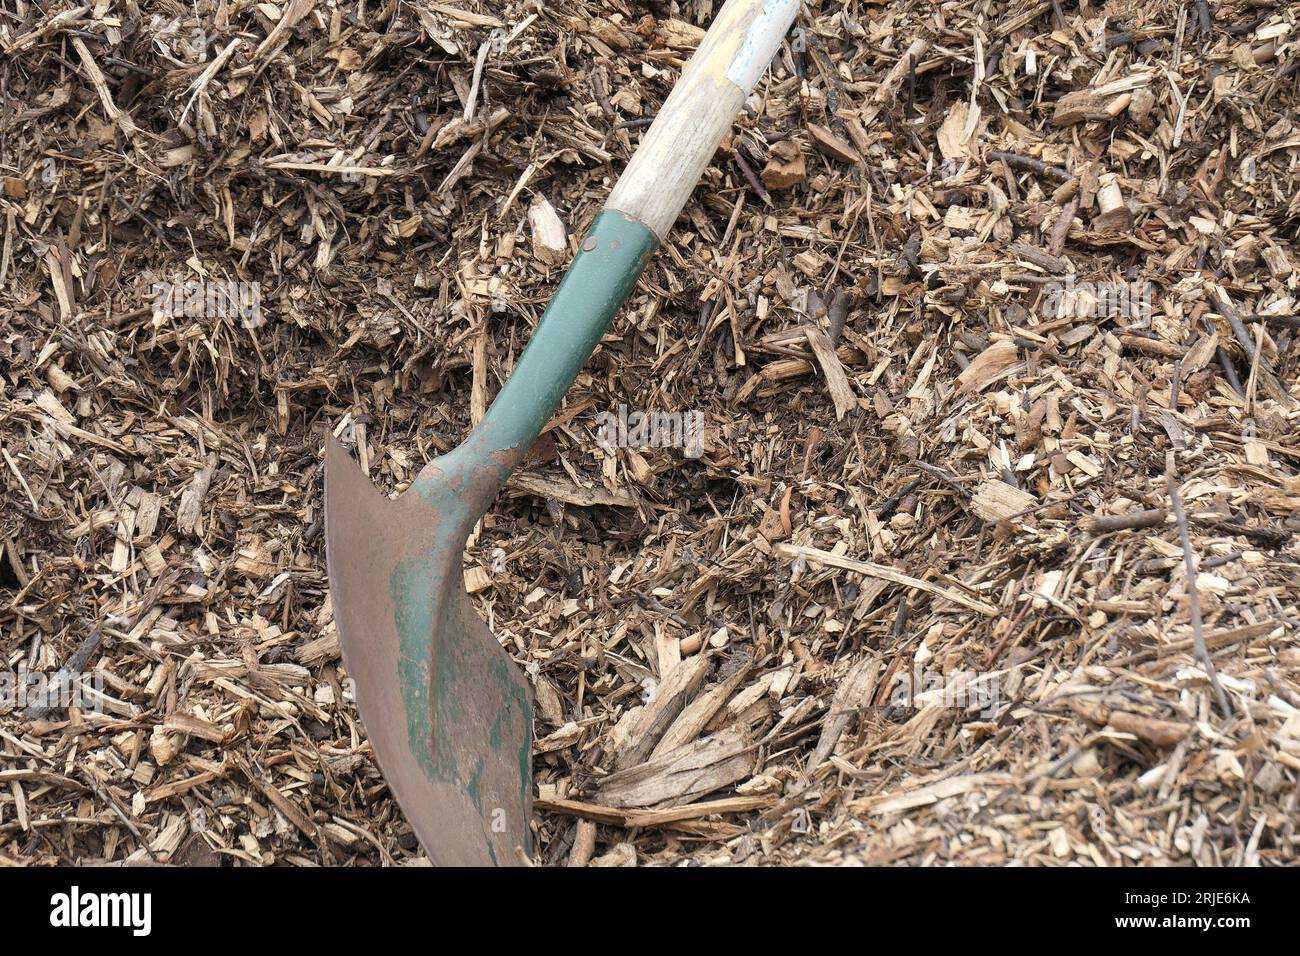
412 588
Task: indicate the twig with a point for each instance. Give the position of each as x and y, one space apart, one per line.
1198 625
747 171
884 573
890 505
909 105
1030 165
1104 524
206 76
1261 370
96 76
1245 26
65 675
1277 321
1270 537
1238 327
942 476
1225 362
622 817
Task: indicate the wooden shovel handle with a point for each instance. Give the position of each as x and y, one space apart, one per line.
741 42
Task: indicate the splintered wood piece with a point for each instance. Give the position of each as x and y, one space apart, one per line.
189 511
684 774
697 714
621 817
997 501
853 692
989 366
550 238
884 573
837 382
1163 733
676 688
1115 216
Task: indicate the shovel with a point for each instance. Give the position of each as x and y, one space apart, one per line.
447 711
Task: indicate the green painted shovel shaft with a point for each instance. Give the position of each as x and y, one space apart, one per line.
464 705
598 281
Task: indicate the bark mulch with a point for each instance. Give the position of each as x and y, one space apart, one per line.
989 310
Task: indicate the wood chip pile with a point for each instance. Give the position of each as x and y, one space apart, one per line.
988 310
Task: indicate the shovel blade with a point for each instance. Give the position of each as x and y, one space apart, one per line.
448 713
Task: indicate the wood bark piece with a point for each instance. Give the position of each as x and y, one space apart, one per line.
1143 518
674 690
832 145
885 574
623 817
189 511
682 775
1162 733
990 365
786 167
550 238
854 692
1081 107
837 382
997 501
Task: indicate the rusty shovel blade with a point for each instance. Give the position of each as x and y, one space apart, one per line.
448 713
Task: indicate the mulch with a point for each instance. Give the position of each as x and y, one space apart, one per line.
977 565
